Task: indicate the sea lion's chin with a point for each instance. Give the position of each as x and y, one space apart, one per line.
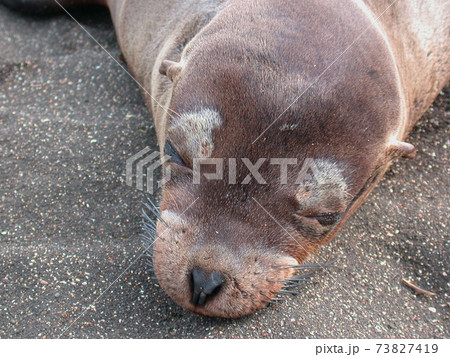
218 281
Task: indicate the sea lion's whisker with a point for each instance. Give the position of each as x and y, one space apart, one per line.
155 211
294 278
148 252
292 285
155 208
301 277
148 220
272 302
151 237
149 233
301 266
148 247
148 227
276 298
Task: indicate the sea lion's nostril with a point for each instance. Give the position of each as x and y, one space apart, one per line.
204 286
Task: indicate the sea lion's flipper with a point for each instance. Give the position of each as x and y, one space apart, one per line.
401 149
170 69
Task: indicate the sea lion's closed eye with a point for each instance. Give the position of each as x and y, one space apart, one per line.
175 157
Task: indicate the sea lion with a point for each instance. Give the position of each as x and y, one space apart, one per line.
324 91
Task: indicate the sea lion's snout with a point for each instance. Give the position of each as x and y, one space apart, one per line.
216 274
205 286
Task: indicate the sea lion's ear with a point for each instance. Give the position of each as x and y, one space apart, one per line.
401 149
170 69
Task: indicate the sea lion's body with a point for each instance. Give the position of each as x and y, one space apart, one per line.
338 82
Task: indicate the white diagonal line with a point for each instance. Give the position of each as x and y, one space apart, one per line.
115 280
295 240
112 57
323 72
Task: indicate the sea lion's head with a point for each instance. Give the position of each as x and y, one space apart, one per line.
236 219
228 249
269 155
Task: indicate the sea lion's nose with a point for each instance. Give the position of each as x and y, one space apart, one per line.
205 286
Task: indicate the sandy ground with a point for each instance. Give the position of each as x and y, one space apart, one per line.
69 224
